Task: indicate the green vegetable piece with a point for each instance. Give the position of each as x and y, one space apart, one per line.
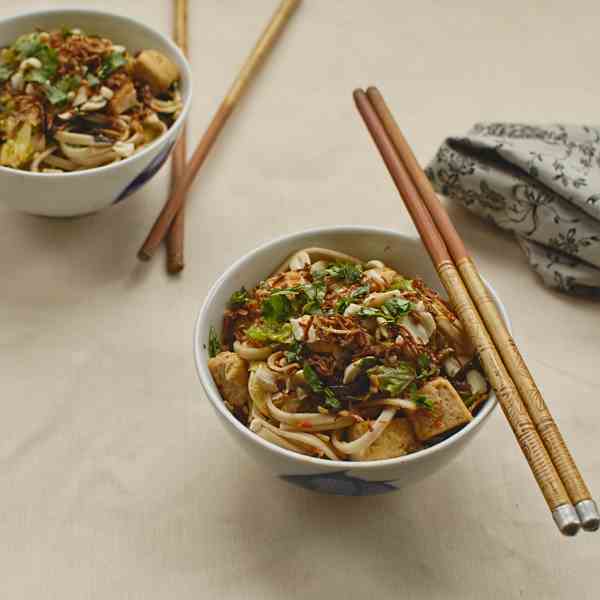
270 332
58 94
28 45
111 63
341 305
426 368
348 272
239 298
420 400
92 79
214 344
318 387
403 284
359 292
396 307
277 308
294 352
5 72
394 380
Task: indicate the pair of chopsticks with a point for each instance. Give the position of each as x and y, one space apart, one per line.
553 467
170 220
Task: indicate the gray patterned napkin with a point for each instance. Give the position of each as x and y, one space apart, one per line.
542 183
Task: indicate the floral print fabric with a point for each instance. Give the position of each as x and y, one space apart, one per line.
542 183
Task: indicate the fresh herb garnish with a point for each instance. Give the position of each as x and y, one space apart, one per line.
239 298
318 387
341 305
348 272
359 292
5 72
304 299
214 344
28 45
270 332
277 308
396 307
425 367
57 94
394 380
391 310
294 352
401 283
114 61
92 79
421 400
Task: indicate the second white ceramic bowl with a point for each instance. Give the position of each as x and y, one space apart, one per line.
83 192
406 255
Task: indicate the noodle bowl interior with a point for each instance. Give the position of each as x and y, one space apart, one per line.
345 360
71 101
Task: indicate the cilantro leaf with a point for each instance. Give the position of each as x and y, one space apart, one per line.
114 61
421 400
92 79
396 307
28 45
394 380
239 298
214 344
401 283
304 299
318 387
425 367
341 305
359 292
58 94
276 307
270 332
5 72
294 352
348 272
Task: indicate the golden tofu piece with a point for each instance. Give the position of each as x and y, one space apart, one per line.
448 411
154 68
230 373
123 99
397 439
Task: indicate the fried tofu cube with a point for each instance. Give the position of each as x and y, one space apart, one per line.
123 99
230 373
397 439
447 413
154 68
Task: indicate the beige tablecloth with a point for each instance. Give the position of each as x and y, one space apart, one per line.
117 482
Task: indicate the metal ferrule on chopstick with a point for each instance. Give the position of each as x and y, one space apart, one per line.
380 123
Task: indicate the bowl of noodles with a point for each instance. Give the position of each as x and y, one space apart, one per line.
332 356
91 104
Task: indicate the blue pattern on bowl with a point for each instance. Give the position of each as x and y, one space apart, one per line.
149 171
340 484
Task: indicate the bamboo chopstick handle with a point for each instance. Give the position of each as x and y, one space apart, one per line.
534 450
250 67
175 235
532 398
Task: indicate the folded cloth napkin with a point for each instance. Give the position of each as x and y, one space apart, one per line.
542 183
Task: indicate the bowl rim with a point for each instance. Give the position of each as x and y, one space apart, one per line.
215 397
186 77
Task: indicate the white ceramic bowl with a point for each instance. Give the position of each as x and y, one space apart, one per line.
83 192
405 254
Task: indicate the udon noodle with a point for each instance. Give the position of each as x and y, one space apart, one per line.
345 360
71 101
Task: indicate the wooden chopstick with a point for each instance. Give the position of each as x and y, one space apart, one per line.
175 235
534 450
540 414
253 62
